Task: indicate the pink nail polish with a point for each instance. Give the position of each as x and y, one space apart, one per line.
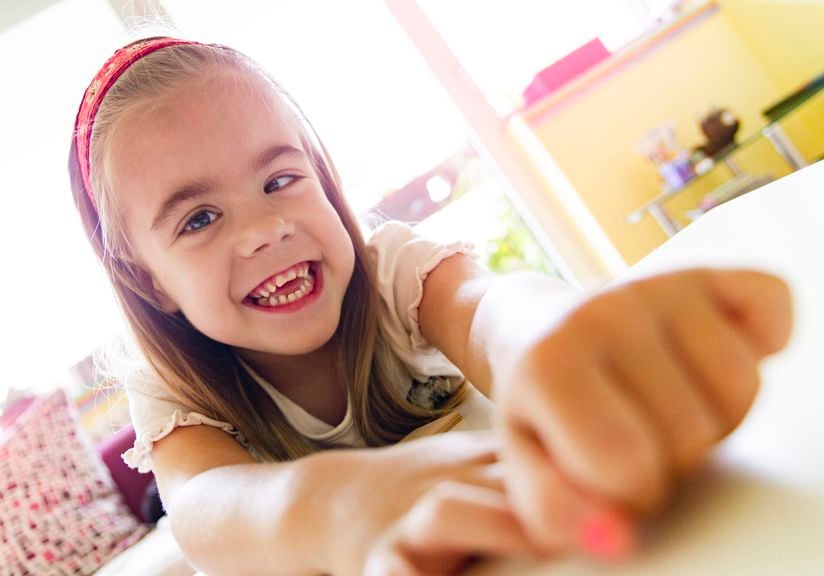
607 536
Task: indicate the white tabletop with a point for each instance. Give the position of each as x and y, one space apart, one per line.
759 509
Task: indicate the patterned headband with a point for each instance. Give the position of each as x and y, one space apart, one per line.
103 81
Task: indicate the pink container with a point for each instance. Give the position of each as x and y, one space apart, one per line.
570 66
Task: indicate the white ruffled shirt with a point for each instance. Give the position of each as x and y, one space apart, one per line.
401 259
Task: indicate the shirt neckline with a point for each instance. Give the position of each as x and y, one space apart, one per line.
305 423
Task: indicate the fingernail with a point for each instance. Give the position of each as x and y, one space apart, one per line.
607 536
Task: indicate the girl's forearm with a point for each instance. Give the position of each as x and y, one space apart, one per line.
514 311
274 518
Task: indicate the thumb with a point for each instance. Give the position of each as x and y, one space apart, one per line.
447 529
759 304
553 513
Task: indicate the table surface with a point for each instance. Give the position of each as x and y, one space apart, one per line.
759 508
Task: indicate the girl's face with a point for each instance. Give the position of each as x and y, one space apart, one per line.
221 204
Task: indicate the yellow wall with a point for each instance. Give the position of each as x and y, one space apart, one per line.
787 38
785 35
593 135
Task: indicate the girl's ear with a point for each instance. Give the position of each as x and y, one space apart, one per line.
166 303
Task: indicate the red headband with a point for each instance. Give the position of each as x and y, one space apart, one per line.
97 90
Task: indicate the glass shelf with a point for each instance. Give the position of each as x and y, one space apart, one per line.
740 182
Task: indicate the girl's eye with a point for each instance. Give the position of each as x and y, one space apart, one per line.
278 183
199 220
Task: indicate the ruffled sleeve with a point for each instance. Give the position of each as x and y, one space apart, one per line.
402 259
155 414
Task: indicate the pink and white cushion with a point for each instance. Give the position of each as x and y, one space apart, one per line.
59 510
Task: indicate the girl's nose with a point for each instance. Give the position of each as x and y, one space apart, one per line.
263 231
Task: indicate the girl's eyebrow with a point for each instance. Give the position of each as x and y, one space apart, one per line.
273 152
187 192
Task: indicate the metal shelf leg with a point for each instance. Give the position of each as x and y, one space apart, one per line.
784 146
664 220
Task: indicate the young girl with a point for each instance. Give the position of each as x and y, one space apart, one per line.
274 337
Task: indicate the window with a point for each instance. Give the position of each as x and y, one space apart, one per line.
460 199
56 306
383 115
504 43
373 101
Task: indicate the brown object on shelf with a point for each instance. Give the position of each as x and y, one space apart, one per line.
719 127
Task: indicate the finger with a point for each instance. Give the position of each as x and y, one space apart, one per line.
648 365
465 518
489 476
450 526
385 563
759 304
455 449
718 359
556 516
599 438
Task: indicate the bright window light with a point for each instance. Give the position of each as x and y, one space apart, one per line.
376 105
438 189
56 306
504 43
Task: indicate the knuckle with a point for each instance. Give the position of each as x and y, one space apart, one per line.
439 502
631 466
739 380
692 438
740 403
545 518
603 313
688 453
692 430
747 379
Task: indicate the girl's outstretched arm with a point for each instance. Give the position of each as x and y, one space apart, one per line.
524 304
385 511
604 401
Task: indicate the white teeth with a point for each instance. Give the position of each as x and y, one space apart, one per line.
282 279
267 297
272 285
281 299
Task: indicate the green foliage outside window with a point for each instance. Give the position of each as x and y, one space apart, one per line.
512 246
517 248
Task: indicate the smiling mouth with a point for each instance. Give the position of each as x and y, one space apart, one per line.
290 286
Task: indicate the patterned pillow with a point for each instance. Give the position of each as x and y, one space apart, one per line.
59 511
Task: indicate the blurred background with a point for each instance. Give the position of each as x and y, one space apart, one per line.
571 138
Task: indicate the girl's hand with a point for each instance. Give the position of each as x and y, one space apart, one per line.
630 390
423 507
448 528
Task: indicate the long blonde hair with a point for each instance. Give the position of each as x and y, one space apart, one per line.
205 374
